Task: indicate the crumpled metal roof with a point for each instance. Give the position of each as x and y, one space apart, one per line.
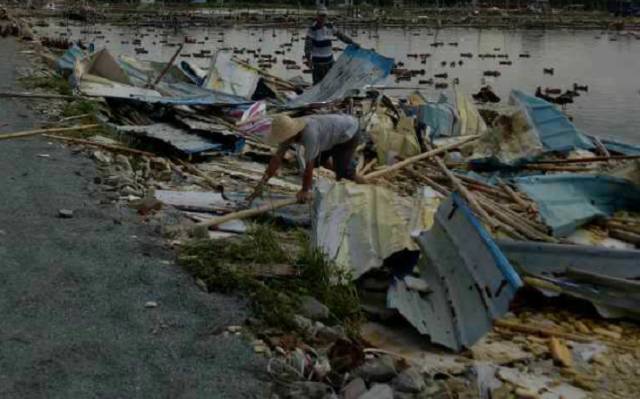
470 282
177 138
356 68
568 201
555 130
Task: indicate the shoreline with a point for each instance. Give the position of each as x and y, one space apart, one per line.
289 18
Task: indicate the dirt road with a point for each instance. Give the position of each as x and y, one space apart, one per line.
73 291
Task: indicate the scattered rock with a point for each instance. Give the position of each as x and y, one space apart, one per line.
302 323
522 393
560 353
378 391
331 334
151 304
313 309
410 380
381 369
124 163
307 390
354 389
65 213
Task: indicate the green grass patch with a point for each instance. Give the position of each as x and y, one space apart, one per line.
224 266
79 107
55 83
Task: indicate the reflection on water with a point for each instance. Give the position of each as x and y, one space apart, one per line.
609 67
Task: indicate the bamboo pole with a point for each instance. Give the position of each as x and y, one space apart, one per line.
419 157
247 213
585 160
46 96
112 147
167 67
36 132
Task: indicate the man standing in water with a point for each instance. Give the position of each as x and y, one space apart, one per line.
317 46
329 140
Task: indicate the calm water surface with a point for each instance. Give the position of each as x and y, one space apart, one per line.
611 68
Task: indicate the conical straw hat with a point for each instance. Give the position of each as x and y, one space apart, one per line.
283 127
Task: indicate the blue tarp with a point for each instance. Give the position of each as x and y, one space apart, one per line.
556 131
568 201
355 69
440 117
66 63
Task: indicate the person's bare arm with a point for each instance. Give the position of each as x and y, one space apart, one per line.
304 195
344 38
274 165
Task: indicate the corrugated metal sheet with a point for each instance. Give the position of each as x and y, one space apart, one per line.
359 226
355 69
554 259
471 281
187 143
555 130
568 201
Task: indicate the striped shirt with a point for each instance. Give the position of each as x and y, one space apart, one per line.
318 42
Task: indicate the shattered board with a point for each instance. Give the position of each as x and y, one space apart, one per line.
355 69
568 201
359 226
190 144
471 281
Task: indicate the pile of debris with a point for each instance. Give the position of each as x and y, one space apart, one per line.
459 215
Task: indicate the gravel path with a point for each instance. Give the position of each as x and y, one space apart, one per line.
73 291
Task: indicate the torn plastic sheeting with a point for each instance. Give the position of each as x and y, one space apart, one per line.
66 63
440 118
355 69
472 282
393 141
511 141
538 258
101 64
470 120
359 226
190 144
227 76
556 131
568 201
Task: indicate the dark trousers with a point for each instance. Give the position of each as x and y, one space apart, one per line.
320 70
342 156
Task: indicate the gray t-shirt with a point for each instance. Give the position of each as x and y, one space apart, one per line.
324 132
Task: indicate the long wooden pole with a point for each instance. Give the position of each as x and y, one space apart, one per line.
36 132
419 157
111 147
585 160
38 96
247 213
167 67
